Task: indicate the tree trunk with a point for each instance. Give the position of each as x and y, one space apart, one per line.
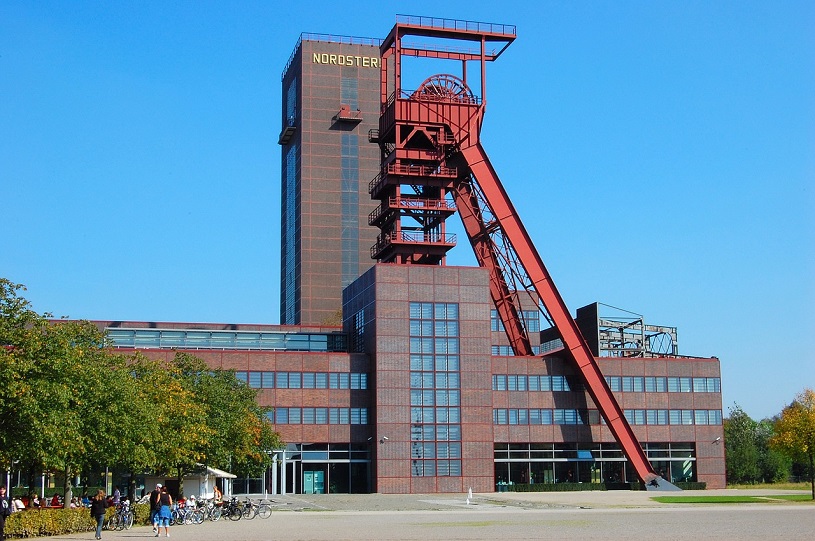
812 471
67 488
131 488
180 484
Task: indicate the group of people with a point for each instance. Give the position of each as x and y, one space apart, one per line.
160 503
160 507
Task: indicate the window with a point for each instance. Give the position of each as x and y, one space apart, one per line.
267 380
655 385
679 385
309 380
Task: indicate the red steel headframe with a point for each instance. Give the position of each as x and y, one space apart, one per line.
482 202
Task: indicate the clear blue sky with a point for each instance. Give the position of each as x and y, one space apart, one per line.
661 155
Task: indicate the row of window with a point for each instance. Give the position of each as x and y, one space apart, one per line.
531 320
434 310
435 398
435 468
319 416
423 328
534 416
436 346
664 384
251 340
439 363
502 382
506 351
572 451
304 380
435 450
420 432
629 384
435 380
435 415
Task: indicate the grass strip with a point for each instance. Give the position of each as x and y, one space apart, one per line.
732 499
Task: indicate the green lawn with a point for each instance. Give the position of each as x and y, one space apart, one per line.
734 499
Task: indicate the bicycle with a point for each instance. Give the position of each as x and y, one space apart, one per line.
122 518
186 512
264 509
212 510
233 509
250 509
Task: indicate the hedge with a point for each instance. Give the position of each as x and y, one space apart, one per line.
44 522
555 487
575 487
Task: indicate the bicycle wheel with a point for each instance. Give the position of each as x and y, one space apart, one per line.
198 516
128 520
235 513
120 522
215 514
264 510
248 511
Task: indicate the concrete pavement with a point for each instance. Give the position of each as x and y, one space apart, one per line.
623 516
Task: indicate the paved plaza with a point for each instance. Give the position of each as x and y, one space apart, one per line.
629 516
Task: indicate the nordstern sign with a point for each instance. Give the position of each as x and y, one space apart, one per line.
345 60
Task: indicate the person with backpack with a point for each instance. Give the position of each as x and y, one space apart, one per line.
155 506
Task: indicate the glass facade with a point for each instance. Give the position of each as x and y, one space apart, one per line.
435 390
304 380
240 340
626 384
319 416
527 463
290 241
548 416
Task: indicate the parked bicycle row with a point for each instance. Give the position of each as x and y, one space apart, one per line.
196 511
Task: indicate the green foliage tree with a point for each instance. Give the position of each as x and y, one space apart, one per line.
795 432
238 431
183 421
741 451
68 403
773 465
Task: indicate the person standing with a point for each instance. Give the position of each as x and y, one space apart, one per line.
98 506
164 515
155 507
5 511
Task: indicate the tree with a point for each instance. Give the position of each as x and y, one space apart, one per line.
795 432
183 423
741 452
239 432
67 402
17 399
56 376
774 466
